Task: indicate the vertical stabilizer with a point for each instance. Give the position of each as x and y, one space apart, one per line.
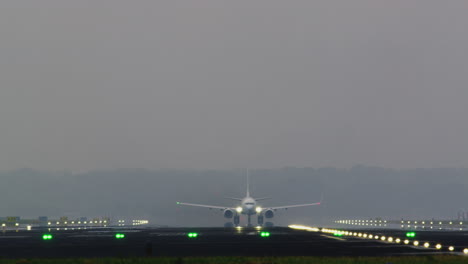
248 184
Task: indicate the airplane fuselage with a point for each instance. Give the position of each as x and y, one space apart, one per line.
249 206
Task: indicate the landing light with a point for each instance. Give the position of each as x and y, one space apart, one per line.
239 209
258 209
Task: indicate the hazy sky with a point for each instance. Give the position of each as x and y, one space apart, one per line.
230 84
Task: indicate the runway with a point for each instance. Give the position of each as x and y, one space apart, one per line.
275 241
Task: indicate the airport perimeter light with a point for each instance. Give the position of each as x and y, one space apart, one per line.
119 236
46 237
339 234
192 235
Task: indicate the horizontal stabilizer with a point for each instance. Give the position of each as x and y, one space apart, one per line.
262 198
233 198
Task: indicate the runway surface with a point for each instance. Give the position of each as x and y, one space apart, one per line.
282 241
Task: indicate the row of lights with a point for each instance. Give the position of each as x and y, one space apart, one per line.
337 232
79 222
68 228
423 227
402 221
360 221
431 223
104 222
363 222
140 222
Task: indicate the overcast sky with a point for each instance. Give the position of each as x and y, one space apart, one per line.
229 84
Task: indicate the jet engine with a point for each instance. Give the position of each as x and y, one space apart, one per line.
269 213
228 213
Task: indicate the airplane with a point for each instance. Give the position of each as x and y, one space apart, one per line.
249 207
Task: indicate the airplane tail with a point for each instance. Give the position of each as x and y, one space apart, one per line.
321 199
248 184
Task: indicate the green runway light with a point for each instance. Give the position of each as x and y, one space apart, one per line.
46 237
119 236
410 234
338 234
192 235
178 202
264 234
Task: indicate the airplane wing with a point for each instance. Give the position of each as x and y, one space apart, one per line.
292 206
205 206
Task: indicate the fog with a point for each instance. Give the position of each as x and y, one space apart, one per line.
112 84
359 192
189 92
